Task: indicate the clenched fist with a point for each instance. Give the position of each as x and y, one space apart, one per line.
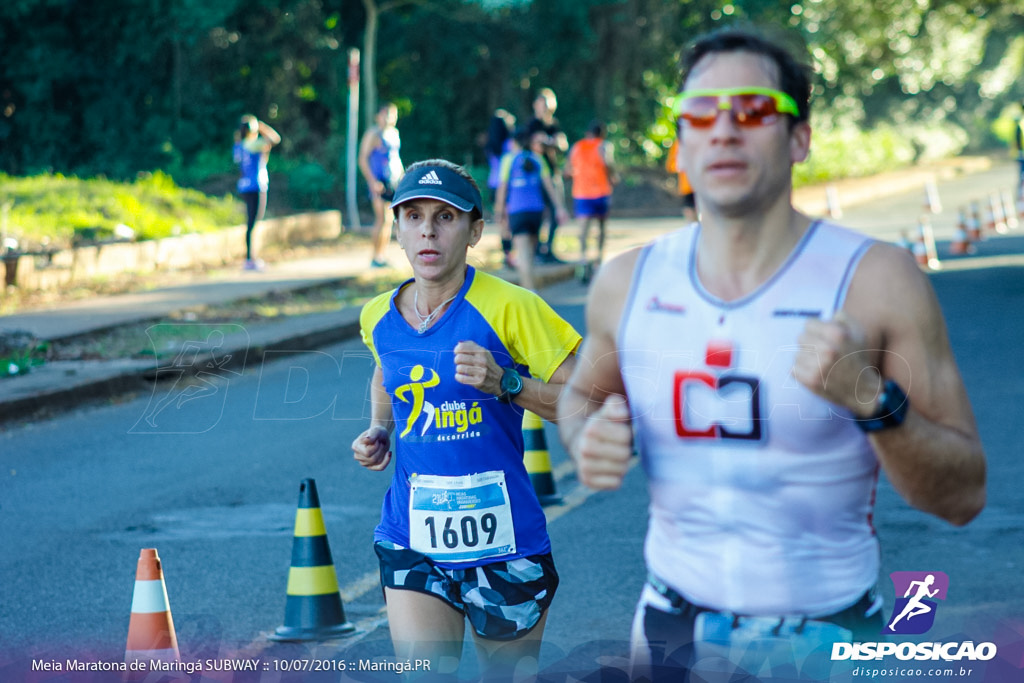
835 363
372 448
476 367
604 445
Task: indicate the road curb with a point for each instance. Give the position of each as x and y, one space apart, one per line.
64 385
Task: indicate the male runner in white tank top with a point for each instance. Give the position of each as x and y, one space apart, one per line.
766 366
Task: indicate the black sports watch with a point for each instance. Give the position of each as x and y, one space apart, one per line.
891 411
511 385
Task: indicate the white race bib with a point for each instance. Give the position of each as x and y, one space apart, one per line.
461 519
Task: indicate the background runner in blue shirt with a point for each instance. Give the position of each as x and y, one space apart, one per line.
253 141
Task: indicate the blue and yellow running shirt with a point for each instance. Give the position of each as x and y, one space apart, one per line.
460 491
525 189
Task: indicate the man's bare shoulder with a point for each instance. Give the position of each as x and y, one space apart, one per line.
626 259
615 275
609 289
890 290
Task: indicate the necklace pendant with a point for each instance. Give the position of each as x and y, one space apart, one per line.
423 326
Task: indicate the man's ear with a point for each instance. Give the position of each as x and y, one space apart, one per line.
799 142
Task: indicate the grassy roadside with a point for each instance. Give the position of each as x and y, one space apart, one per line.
52 211
162 338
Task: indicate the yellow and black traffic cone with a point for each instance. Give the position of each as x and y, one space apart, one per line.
538 460
313 610
151 633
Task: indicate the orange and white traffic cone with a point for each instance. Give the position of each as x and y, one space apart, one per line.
919 250
998 220
924 249
932 204
150 630
904 242
974 223
832 202
990 217
1009 212
961 243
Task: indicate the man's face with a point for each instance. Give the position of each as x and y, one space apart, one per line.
739 169
544 105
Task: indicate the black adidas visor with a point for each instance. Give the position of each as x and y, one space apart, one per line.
438 182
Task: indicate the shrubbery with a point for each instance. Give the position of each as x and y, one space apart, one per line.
54 211
848 152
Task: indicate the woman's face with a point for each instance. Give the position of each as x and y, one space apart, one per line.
435 237
387 117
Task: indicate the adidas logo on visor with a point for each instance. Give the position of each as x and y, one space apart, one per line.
430 179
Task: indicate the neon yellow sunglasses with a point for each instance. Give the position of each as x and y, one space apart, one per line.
750 107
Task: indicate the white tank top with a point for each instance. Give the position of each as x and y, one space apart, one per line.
761 492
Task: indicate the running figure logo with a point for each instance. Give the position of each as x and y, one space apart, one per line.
190 392
416 388
914 613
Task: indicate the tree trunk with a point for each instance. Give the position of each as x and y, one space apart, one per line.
369 86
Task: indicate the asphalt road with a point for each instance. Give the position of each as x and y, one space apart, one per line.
211 478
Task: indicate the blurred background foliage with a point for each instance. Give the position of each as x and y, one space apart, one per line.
113 88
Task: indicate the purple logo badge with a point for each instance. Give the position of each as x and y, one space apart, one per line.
914 612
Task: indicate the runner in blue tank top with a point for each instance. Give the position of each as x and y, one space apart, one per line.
460 354
524 183
381 165
253 142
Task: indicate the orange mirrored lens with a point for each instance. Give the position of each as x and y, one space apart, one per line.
748 110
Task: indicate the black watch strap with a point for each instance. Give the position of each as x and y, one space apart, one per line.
892 409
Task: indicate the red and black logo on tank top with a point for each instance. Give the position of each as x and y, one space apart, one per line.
720 402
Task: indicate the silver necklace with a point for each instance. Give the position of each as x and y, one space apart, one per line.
425 319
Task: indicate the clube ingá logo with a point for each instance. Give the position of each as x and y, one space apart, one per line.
916 594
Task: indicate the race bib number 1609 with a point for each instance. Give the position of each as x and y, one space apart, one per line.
461 519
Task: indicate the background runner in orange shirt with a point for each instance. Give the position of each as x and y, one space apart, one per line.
593 174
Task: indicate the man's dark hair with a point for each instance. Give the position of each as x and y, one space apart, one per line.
794 75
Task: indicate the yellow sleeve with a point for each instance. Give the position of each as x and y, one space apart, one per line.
533 333
372 312
506 167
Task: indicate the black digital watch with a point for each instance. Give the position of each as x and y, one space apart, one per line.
511 385
892 409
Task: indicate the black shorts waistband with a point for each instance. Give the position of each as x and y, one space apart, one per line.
863 613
